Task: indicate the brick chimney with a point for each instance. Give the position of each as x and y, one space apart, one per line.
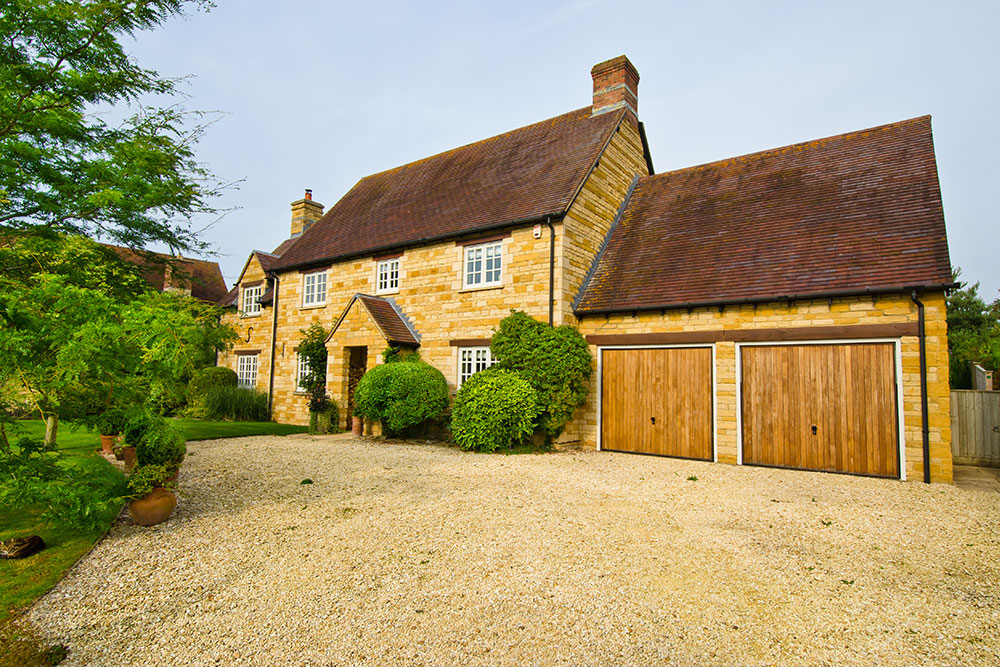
616 85
305 212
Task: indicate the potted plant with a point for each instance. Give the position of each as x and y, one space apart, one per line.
109 425
152 498
161 444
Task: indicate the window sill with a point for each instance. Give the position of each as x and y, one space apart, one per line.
249 316
387 292
480 288
314 305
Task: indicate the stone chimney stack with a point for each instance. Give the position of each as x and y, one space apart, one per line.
616 85
305 212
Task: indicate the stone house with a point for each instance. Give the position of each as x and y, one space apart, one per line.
782 308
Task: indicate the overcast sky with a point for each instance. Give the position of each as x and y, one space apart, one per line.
318 94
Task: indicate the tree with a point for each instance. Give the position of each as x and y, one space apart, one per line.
973 333
73 344
62 166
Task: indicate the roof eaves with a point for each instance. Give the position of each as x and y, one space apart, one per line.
780 298
555 216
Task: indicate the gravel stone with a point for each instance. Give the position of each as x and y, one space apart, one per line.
417 554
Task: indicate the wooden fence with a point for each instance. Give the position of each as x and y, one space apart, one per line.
975 427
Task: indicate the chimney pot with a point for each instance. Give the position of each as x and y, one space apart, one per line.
309 194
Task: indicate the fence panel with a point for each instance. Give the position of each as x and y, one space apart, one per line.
975 427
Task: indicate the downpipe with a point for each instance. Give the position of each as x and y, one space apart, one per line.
923 386
274 340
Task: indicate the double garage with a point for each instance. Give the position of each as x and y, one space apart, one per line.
831 406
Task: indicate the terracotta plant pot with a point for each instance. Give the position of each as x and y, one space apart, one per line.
357 424
153 508
108 444
129 458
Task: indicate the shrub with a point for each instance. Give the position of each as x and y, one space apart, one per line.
401 395
494 408
138 422
83 499
206 378
392 354
145 478
312 349
112 422
556 362
162 444
324 420
236 404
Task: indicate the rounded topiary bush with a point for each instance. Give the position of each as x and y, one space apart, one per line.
207 378
401 395
494 408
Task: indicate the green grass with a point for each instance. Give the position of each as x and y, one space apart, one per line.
195 429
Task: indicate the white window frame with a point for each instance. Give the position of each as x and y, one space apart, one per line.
471 360
246 370
301 369
312 294
387 274
482 265
251 300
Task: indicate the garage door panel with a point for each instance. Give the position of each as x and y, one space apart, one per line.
657 401
821 407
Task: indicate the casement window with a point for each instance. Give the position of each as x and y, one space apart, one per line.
482 267
387 276
314 289
251 300
246 370
301 372
471 360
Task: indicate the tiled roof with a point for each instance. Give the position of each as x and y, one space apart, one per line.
387 317
283 246
266 259
855 212
522 175
203 278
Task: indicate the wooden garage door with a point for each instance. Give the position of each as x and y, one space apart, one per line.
657 401
821 407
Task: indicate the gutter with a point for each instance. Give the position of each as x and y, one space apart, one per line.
544 218
274 340
925 424
830 294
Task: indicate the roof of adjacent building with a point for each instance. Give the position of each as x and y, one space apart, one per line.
855 212
202 277
388 317
520 176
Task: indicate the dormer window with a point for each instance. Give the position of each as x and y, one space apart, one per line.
251 301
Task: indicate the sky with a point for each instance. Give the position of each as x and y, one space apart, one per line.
320 94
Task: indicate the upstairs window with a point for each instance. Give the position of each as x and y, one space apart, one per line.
251 300
387 276
246 371
471 360
314 289
483 264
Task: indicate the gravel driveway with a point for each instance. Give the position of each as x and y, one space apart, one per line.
405 554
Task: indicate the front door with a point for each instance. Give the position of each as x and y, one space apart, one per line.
356 368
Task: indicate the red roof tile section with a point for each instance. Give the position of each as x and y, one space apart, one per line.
389 320
203 278
521 175
858 211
